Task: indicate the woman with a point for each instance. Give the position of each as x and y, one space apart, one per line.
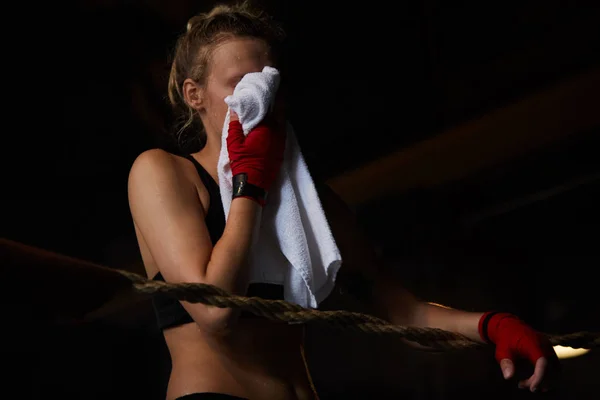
183 236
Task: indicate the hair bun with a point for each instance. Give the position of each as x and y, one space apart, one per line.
193 21
221 9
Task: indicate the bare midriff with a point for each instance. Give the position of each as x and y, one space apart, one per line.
259 359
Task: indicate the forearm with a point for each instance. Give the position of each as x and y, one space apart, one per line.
436 316
227 267
401 307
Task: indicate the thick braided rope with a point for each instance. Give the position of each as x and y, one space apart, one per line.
282 311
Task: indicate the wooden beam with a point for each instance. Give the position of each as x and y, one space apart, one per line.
42 285
571 107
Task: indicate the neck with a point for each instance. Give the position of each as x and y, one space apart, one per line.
209 155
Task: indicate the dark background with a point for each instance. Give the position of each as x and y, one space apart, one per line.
87 93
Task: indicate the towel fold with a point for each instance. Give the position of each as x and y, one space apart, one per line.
294 246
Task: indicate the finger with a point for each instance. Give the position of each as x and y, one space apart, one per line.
233 116
534 382
235 133
507 367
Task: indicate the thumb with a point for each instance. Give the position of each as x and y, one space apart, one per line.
507 367
505 358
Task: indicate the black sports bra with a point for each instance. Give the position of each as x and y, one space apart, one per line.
169 311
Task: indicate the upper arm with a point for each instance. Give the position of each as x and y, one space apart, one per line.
169 216
358 252
363 274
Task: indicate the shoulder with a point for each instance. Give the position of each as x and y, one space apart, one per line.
152 161
157 172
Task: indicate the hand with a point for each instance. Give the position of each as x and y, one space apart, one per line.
259 155
514 341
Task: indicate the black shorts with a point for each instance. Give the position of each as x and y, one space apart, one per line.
209 396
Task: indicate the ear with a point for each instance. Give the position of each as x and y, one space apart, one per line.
193 94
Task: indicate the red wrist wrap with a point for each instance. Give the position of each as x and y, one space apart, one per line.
511 336
258 155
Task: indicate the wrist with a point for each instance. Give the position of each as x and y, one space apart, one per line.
246 205
244 189
490 324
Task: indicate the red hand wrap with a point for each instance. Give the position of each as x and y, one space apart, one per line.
512 337
258 155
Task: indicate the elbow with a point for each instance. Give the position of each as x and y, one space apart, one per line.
218 321
398 305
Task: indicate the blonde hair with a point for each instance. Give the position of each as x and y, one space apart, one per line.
193 51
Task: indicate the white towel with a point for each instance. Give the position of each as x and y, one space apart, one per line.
295 246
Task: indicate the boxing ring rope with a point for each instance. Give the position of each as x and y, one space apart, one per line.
282 311
64 285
